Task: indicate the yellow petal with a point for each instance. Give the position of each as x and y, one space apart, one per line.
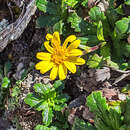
70 66
44 66
73 45
43 56
70 38
56 39
75 52
54 72
76 60
49 37
62 72
48 47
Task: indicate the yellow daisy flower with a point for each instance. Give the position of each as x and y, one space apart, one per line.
60 58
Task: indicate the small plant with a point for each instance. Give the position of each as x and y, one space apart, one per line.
47 99
4 82
109 117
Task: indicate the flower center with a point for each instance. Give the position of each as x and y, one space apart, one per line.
59 55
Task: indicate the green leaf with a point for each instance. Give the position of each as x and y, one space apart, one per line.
127 2
41 127
96 14
61 98
41 106
47 20
71 3
42 88
105 51
84 3
89 40
58 84
119 10
7 67
127 113
5 82
47 115
94 61
59 107
123 26
58 27
32 100
96 102
100 31
42 5
15 91
53 128
81 125
75 21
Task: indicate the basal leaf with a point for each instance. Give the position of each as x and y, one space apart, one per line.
105 51
96 14
58 27
42 106
42 5
71 3
32 100
47 20
59 107
42 88
100 31
7 67
127 2
89 40
94 61
123 26
82 125
41 127
75 21
5 82
47 115
127 113
62 98
96 102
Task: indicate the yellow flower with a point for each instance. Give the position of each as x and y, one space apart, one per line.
60 58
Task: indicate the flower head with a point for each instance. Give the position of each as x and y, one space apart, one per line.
60 57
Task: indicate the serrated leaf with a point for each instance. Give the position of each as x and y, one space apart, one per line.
41 127
96 102
47 115
94 61
81 125
96 14
47 20
32 100
75 21
5 82
123 26
100 31
42 88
